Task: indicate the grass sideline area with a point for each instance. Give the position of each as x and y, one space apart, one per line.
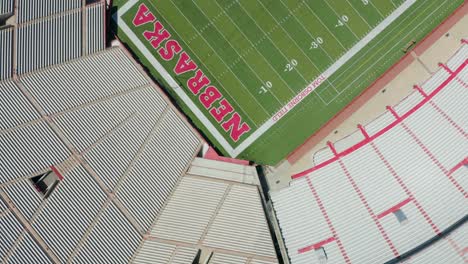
259 55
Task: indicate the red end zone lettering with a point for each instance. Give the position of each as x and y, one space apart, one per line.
234 124
171 48
197 84
143 16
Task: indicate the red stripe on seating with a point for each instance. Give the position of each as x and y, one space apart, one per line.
450 120
405 188
465 250
420 90
385 129
55 170
434 159
327 219
394 113
369 210
332 148
394 208
445 67
458 166
464 41
363 131
456 247
316 245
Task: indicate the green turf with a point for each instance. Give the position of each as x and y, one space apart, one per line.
241 45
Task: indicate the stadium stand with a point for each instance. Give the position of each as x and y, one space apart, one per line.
6 6
48 32
390 189
6 51
74 124
97 165
226 220
94 157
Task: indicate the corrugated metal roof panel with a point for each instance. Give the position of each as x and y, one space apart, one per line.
157 170
220 258
154 252
3 206
15 107
240 224
6 52
25 197
69 211
6 6
119 126
28 251
189 210
33 9
224 170
184 255
88 79
47 42
112 240
10 229
95 28
40 147
258 261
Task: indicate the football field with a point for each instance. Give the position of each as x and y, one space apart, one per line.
258 77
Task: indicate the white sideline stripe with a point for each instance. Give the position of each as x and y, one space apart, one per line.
169 79
283 111
331 70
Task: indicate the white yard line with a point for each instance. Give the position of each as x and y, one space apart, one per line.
217 54
267 35
295 42
378 11
363 72
359 14
254 46
261 81
306 30
289 36
286 109
379 47
325 26
340 62
339 17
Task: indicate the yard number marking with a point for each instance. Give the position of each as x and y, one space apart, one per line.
342 20
265 88
290 66
315 44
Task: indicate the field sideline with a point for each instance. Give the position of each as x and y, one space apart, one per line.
275 71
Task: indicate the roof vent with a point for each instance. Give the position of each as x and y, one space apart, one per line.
45 183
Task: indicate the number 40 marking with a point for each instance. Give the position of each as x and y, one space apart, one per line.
342 20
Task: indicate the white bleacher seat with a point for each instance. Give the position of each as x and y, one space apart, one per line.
412 167
349 141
